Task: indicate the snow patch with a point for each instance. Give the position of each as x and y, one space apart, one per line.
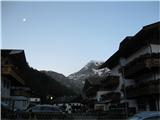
86 67
100 72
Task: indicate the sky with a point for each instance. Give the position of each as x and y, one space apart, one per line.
64 36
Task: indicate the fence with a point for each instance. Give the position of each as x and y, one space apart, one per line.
109 115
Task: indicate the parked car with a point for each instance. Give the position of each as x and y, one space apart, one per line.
44 108
147 115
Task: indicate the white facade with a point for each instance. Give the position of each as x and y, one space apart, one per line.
99 93
147 77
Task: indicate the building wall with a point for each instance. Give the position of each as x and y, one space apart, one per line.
99 93
124 81
5 87
133 103
5 91
147 49
115 71
157 75
142 51
20 102
143 78
152 48
155 48
100 107
127 82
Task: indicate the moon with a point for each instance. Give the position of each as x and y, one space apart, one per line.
24 19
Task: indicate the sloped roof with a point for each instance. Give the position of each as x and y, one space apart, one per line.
147 35
17 56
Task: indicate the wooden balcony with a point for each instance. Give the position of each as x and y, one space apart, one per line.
20 93
142 65
10 70
6 69
91 91
145 89
110 82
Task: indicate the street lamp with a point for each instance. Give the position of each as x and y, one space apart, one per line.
51 98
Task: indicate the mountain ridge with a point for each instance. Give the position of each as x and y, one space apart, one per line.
76 80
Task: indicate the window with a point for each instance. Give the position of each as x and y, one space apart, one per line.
141 104
4 83
8 84
152 104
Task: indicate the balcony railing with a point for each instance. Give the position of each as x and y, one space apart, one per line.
20 88
20 91
110 82
112 96
91 91
148 88
142 65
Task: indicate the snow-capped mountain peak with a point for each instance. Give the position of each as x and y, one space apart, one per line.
90 69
